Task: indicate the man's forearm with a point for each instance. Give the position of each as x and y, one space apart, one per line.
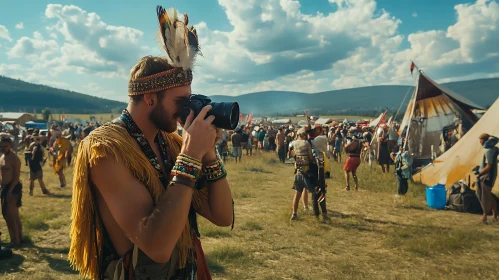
219 198
167 220
220 202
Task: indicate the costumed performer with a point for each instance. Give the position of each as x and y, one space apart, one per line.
138 185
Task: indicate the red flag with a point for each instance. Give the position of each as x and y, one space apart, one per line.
250 118
412 66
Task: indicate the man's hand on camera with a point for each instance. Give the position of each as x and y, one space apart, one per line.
211 155
198 134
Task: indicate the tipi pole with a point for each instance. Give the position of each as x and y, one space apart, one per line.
415 95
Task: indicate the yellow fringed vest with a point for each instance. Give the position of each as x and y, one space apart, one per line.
113 140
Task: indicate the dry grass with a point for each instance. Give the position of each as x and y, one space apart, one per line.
86 117
371 234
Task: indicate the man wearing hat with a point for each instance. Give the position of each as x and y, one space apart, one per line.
487 175
319 147
303 158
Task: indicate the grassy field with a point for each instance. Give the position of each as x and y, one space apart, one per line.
372 234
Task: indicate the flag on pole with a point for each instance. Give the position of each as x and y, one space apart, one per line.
383 118
412 66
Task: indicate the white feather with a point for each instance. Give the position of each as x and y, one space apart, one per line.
176 44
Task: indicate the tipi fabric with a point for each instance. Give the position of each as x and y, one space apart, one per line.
432 109
458 161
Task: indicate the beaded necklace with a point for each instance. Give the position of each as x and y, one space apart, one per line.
137 134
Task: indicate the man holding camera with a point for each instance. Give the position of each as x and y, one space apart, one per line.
138 185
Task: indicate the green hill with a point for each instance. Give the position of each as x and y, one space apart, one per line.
18 95
365 101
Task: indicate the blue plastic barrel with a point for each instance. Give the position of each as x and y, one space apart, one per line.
436 196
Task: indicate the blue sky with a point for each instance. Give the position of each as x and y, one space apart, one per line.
252 45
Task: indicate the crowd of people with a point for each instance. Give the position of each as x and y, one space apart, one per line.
55 146
139 187
311 149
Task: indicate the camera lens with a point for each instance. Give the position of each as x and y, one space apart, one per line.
226 114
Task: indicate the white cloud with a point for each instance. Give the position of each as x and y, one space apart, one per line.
79 27
20 25
35 49
273 39
8 69
273 45
470 47
4 33
414 14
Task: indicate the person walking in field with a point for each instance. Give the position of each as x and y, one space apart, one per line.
302 179
281 144
353 149
35 165
237 139
63 147
11 191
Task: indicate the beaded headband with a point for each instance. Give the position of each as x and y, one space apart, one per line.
172 78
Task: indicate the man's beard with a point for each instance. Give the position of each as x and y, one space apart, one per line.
161 120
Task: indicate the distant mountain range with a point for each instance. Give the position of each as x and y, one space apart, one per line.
18 95
363 101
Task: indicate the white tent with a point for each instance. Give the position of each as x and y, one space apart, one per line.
302 123
323 121
433 110
458 162
281 121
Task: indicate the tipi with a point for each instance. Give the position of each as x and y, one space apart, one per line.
433 111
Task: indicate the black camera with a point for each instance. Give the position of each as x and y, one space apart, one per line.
226 113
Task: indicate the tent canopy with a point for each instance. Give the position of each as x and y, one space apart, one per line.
281 121
32 124
376 121
302 123
323 121
432 109
458 162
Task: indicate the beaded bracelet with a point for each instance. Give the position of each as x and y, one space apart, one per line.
186 171
214 170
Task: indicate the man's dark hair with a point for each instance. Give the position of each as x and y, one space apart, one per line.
6 140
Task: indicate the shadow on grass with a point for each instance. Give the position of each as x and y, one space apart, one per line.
361 223
59 265
46 254
12 264
215 266
258 170
414 207
60 195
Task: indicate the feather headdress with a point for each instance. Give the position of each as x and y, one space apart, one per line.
179 41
